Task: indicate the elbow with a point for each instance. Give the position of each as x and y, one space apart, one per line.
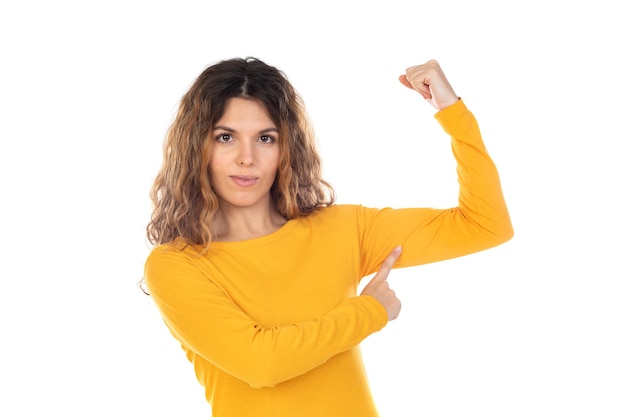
503 233
264 370
507 231
263 377
492 234
261 383
264 363
509 234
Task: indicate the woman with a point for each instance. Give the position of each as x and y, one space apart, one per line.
255 269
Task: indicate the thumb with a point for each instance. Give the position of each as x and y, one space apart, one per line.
405 82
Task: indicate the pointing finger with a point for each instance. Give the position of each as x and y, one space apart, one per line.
388 263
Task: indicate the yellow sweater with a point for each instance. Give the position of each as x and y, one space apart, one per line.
272 325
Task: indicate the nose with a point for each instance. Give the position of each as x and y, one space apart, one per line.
246 155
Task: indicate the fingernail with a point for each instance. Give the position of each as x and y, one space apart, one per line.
398 249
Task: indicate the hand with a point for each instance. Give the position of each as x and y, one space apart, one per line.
429 80
379 288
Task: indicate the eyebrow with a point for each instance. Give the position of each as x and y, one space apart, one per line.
229 129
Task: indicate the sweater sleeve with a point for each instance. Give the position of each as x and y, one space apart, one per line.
206 320
480 221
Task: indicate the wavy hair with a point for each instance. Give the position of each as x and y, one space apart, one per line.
184 203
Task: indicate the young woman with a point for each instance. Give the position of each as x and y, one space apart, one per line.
255 269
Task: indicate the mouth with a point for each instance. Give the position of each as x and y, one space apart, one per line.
244 180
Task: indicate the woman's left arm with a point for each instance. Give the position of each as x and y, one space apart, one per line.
481 219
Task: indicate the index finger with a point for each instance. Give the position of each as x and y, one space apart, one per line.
389 262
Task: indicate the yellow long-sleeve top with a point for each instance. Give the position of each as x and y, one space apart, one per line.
272 324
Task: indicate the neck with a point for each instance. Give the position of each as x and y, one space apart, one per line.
234 223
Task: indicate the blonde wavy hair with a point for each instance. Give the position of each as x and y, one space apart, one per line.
184 203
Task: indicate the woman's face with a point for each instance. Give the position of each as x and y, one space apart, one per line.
244 156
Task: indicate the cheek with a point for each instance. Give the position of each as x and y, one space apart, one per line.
276 159
213 171
215 162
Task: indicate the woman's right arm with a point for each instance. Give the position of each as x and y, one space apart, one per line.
206 320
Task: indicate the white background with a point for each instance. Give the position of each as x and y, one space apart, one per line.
534 327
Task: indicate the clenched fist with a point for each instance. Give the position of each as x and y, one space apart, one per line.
429 80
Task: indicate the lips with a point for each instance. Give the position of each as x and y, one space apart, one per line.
244 180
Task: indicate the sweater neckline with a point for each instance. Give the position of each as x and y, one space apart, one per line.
257 241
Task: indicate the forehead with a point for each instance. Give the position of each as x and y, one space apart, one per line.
247 111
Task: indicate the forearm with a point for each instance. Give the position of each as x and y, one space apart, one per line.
205 320
264 357
482 206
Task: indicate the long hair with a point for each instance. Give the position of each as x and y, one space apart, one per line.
183 199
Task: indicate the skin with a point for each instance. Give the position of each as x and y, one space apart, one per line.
244 162
243 165
429 80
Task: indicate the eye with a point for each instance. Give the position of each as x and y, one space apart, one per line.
267 139
224 137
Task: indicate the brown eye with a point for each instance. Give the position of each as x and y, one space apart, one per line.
224 137
267 139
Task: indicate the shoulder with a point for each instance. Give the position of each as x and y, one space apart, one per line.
348 217
175 254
